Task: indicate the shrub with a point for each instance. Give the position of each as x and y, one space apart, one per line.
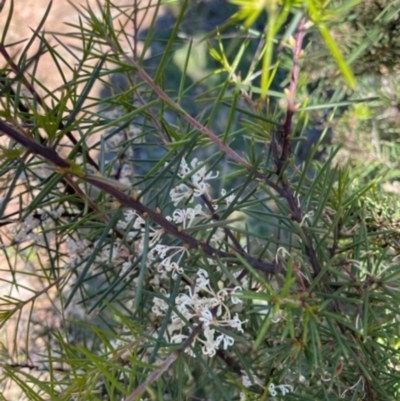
191 235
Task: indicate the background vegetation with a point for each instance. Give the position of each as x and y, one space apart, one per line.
222 222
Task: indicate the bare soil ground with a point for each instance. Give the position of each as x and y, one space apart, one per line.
28 14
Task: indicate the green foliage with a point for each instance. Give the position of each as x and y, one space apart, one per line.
188 238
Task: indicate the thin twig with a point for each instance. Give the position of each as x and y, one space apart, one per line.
297 50
285 190
191 120
165 365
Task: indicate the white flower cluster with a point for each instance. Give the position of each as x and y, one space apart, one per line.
170 256
36 227
25 230
137 226
272 389
228 199
76 251
198 180
283 388
247 382
203 304
167 263
200 304
185 216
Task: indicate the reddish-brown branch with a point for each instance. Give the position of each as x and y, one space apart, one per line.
285 190
130 202
287 125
